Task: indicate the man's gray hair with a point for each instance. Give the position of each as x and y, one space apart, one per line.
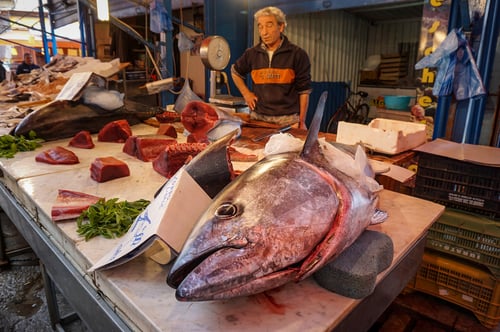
272 11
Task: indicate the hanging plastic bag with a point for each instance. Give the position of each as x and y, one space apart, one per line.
457 69
184 44
187 95
160 21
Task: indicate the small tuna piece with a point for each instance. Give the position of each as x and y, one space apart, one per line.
167 129
116 131
70 204
168 117
171 159
108 168
147 147
57 155
82 140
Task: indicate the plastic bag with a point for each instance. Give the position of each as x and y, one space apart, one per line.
187 95
457 69
185 44
160 20
106 99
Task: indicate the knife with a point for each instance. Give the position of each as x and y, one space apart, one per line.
280 130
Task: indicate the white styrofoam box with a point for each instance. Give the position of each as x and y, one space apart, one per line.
383 135
394 115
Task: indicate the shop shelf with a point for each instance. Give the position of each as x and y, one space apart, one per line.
459 184
468 236
462 283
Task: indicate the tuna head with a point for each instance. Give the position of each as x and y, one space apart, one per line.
257 231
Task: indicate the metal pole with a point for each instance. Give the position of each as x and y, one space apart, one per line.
486 54
44 32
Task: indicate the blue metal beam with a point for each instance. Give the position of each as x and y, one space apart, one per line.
44 31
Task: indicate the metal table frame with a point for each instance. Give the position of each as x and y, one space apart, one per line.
88 303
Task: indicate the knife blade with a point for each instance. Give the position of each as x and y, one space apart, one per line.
280 130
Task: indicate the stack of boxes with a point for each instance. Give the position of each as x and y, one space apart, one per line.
461 263
392 68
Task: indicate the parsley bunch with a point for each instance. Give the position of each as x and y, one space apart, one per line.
10 144
109 218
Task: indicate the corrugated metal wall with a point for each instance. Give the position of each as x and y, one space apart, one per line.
338 42
335 41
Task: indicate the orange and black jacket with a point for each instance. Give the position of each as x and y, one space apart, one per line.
277 83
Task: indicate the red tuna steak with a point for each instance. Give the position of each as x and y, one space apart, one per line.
116 131
147 147
174 156
167 129
82 140
199 117
57 156
108 168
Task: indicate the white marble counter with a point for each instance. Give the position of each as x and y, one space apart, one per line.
138 291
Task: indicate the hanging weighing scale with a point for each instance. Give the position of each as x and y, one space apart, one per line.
215 54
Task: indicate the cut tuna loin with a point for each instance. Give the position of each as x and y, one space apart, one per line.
82 140
199 117
147 147
197 138
108 168
167 129
57 156
168 117
176 155
116 131
70 204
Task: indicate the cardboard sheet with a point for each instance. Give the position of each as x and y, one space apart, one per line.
478 154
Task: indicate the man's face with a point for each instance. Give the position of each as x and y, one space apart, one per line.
28 59
270 31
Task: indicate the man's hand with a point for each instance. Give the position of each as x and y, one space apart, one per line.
250 99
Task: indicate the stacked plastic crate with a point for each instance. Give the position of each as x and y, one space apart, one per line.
461 263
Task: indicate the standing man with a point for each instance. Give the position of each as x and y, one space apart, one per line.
27 66
280 71
3 72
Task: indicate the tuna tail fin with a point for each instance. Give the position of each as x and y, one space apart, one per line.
312 135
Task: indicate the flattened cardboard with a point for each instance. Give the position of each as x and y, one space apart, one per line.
170 217
478 154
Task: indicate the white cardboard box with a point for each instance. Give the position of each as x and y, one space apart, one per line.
383 135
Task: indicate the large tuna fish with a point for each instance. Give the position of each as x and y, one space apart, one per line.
63 119
279 221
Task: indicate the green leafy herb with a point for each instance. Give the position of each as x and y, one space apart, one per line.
109 218
10 144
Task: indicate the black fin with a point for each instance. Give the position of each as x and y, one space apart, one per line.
312 135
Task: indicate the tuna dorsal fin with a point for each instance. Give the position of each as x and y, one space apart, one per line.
312 135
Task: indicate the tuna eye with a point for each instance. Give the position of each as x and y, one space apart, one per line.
226 211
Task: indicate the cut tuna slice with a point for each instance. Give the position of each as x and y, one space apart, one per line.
70 204
147 147
199 117
174 156
168 116
57 156
108 168
197 138
116 131
82 140
167 129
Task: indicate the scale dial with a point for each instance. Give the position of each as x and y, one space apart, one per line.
215 53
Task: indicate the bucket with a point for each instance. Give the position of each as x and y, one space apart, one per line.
400 103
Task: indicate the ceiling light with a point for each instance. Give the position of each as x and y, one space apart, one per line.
102 10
